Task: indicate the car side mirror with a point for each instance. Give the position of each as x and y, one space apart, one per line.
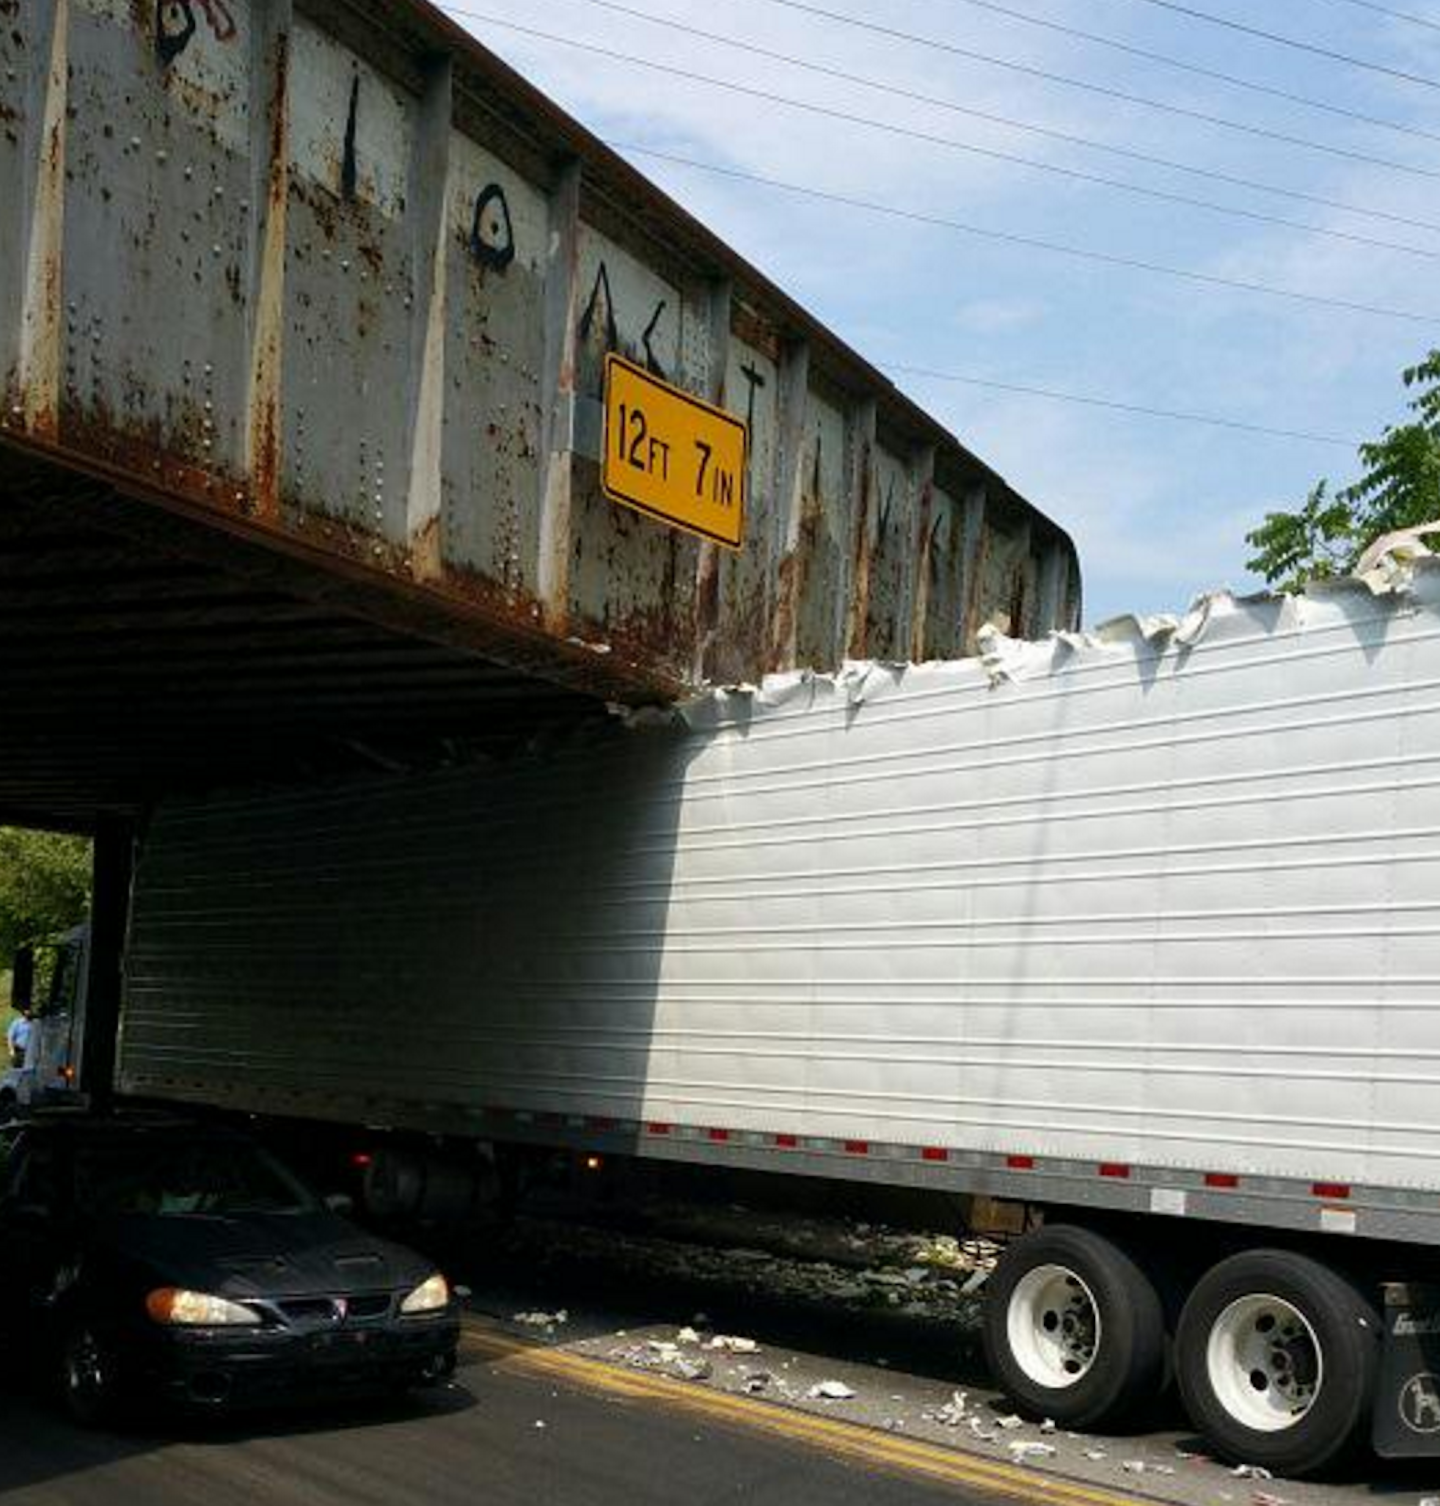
340 1202
22 978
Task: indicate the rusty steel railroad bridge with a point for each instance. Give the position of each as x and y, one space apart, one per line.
304 309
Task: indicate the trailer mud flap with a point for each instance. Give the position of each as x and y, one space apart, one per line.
1407 1399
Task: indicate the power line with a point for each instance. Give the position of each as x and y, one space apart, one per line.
1210 19
1173 414
939 44
1049 133
930 138
914 216
1395 15
1150 56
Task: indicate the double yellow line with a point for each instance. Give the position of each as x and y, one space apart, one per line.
841 1440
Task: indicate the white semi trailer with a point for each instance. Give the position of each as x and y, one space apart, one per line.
1138 931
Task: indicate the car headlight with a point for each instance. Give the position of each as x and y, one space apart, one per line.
176 1306
431 1295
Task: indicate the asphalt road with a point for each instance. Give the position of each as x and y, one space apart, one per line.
586 1409
498 1434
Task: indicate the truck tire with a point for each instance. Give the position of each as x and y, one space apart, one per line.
1276 1357
1074 1329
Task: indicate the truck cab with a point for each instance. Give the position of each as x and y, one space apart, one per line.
51 1069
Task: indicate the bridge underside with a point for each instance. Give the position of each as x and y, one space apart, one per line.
305 310
142 653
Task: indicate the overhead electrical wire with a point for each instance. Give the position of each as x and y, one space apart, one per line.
1116 44
1034 243
940 44
1048 132
1023 389
930 138
1194 13
1395 15
1175 415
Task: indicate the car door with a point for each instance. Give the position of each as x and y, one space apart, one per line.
35 1233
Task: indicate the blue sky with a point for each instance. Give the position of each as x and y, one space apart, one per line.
1158 509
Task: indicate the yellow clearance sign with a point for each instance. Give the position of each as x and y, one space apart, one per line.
671 456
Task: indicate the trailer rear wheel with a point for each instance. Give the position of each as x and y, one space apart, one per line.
1277 1357
1074 1329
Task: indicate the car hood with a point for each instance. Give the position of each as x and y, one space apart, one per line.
259 1254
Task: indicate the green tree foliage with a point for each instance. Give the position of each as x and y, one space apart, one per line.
44 886
1400 488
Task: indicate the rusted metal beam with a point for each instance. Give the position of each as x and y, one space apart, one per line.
269 115
916 606
862 510
790 502
719 299
562 316
972 569
358 287
430 175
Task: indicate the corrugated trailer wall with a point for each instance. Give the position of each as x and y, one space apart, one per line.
1161 909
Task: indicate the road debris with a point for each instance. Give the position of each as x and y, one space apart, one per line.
664 1358
1096 1454
757 1382
816 1261
1251 1472
1010 1422
830 1390
1025 1448
542 1320
733 1345
952 1413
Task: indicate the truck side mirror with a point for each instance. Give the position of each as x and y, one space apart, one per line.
22 979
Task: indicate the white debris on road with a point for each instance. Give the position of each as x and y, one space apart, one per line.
1024 1448
542 1320
1251 1472
809 1260
952 1414
733 1345
830 1390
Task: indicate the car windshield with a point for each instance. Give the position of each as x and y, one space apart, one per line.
170 1177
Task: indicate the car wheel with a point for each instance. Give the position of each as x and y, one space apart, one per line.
1277 1358
1074 1329
89 1384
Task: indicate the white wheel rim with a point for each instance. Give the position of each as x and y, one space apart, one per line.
1264 1363
1053 1326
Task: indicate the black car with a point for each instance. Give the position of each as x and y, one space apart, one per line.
149 1257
